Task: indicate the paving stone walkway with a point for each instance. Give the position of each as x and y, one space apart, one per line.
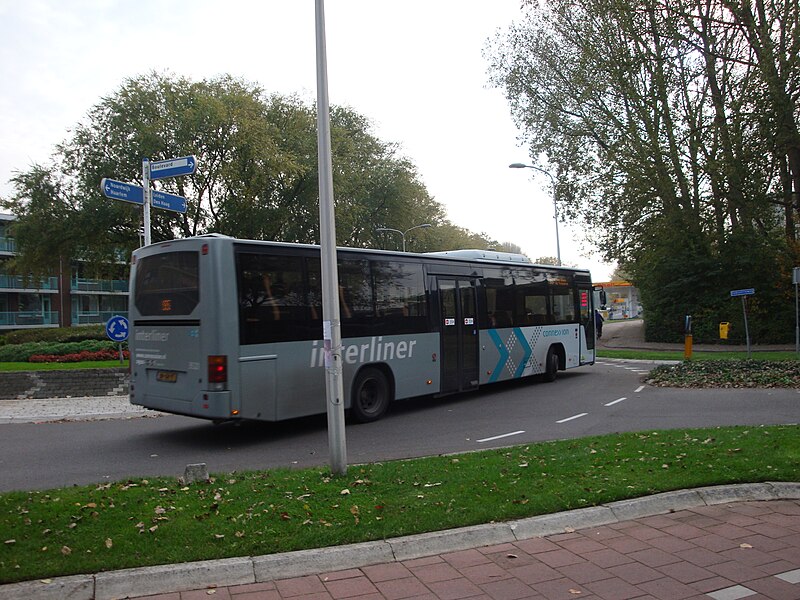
720 552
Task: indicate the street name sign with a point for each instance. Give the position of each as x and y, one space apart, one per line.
747 292
168 201
174 167
119 190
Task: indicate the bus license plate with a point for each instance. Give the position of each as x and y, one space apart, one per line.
167 376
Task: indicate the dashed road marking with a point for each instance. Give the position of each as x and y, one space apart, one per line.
613 402
572 418
498 437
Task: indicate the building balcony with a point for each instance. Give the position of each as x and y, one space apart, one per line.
91 318
8 244
15 282
99 285
29 319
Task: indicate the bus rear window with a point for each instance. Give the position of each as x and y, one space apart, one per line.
167 284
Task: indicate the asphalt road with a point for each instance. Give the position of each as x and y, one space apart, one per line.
609 397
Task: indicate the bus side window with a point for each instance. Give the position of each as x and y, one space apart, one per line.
400 300
356 299
271 298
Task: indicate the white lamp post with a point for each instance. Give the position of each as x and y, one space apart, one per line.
403 233
555 206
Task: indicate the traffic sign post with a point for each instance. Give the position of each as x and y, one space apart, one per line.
117 331
744 294
145 195
796 281
147 199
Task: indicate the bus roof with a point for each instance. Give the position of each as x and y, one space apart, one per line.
465 255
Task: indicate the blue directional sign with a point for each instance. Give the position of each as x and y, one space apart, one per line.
168 201
117 328
174 167
134 193
747 292
119 190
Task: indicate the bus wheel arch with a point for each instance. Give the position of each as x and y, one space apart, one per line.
371 393
554 362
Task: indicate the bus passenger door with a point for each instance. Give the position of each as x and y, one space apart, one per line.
587 325
459 334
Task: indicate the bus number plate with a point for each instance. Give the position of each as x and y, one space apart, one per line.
167 376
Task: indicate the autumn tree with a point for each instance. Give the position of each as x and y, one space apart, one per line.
256 175
668 122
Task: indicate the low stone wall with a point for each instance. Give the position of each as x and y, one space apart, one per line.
74 383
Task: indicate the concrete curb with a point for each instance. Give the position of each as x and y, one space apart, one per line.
236 571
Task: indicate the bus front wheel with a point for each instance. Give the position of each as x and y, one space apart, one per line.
551 365
371 395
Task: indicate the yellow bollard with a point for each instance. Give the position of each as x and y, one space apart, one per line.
687 346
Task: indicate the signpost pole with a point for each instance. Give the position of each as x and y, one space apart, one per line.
746 329
796 281
332 335
147 199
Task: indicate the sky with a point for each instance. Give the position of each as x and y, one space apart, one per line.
415 68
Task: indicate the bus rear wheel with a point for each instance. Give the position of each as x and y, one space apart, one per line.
371 395
551 365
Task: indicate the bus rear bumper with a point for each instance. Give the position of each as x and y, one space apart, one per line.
206 405
213 405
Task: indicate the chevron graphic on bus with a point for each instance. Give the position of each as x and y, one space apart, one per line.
508 358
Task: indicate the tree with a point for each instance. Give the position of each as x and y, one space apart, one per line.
669 119
256 176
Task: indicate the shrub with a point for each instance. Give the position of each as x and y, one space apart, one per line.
55 334
23 352
85 355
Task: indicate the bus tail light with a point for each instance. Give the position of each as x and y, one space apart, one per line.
218 371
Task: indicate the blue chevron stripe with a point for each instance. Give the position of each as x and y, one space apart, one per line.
524 362
501 348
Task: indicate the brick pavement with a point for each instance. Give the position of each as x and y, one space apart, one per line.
721 552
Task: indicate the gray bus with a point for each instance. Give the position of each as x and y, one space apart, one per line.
227 329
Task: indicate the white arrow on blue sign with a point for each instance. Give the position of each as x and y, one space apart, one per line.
117 328
119 190
128 192
174 167
168 201
747 292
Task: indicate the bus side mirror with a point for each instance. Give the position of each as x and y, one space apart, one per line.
602 294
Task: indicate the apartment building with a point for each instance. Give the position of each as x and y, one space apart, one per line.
61 299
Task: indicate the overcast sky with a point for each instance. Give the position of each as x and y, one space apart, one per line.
414 67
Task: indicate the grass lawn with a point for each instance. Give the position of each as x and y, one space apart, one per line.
154 521
6 367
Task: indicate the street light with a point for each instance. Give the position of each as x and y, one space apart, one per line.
403 233
555 206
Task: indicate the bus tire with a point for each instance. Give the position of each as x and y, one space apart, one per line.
551 365
371 395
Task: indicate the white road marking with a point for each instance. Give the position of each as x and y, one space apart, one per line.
497 437
612 403
572 417
639 389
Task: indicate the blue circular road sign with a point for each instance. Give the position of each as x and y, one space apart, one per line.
117 328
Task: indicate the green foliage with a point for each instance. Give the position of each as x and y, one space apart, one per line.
256 176
143 522
728 374
55 334
674 138
23 352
